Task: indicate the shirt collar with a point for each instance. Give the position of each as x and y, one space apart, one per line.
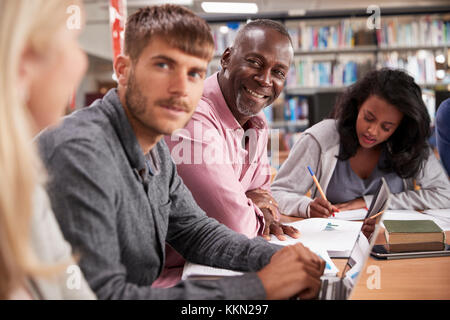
213 93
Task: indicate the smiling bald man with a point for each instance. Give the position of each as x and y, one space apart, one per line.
221 154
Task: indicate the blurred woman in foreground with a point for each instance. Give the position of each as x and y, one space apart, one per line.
41 65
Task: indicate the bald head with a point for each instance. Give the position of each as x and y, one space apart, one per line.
262 23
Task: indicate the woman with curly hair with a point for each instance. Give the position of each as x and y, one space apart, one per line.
381 128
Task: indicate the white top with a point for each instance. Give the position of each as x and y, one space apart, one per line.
51 248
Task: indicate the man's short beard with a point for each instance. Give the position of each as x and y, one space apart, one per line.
245 110
136 102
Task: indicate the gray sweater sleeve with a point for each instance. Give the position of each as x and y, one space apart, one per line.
203 240
293 180
84 199
434 192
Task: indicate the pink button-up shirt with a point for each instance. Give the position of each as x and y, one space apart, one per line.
219 166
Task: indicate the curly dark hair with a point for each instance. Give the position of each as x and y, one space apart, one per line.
407 148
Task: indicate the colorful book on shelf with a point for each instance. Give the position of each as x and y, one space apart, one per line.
422 31
414 235
268 112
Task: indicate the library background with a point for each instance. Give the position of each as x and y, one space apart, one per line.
335 43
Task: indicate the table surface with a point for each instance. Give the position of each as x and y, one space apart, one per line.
418 278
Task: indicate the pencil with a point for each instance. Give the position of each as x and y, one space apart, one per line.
376 215
318 185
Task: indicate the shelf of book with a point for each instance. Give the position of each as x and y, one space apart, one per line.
334 50
359 49
303 90
338 51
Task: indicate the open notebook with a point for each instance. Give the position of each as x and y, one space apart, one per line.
195 271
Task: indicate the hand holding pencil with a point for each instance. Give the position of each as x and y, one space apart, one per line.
320 207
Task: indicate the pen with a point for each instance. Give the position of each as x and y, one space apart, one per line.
318 185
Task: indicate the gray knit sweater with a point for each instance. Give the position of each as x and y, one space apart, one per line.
118 214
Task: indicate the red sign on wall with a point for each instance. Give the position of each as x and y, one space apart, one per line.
117 20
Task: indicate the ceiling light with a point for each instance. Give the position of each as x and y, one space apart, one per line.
440 74
229 7
440 58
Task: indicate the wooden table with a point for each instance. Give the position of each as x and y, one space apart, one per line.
419 278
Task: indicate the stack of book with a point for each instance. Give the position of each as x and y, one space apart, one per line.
413 235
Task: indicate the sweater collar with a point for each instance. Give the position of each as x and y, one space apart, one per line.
141 163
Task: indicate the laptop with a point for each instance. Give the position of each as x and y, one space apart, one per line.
341 287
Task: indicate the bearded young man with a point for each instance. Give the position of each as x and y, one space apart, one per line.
116 193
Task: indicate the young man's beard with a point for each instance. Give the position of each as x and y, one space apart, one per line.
137 105
136 102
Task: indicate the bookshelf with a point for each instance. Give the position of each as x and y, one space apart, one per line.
332 50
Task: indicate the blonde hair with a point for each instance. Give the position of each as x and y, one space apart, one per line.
23 24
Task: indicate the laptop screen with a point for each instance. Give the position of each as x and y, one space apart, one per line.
361 249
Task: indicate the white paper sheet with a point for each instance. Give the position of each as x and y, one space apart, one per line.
191 270
358 214
439 213
324 234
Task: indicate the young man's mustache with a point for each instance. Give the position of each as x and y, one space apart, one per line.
175 102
